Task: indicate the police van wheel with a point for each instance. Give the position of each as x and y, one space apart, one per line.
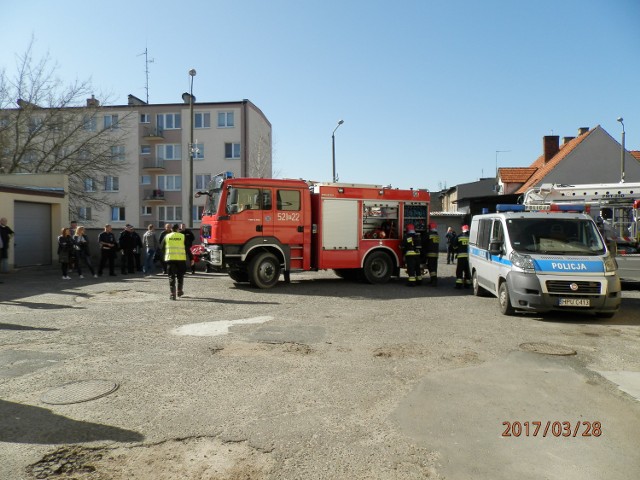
478 291
505 299
378 268
264 270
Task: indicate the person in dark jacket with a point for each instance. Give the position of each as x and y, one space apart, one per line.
431 249
461 246
189 238
451 239
108 248
5 238
127 244
137 250
411 246
81 248
65 252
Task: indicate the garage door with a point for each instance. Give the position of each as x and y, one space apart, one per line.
33 234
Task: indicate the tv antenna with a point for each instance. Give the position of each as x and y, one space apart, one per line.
147 61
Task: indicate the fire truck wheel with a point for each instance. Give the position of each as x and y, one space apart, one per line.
239 276
378 268
264 270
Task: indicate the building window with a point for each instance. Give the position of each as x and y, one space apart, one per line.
169 151
84 213
225 119
198 211
202 120
117 153
90 124
145 180
169 121
171 183
145 118
117 214
110 121
89 185
35 123
169 214
146 210
111 184
202 181
145 149
231 150
198 151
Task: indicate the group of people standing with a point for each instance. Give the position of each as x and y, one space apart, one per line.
136 254
424 249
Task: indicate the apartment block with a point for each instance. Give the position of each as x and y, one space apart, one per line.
153 187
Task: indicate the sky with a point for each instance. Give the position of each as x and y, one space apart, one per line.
428 90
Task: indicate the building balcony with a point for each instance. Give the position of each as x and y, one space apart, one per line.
149 133
153 197
153 164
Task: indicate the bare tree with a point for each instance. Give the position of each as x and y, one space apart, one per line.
260 153
46 127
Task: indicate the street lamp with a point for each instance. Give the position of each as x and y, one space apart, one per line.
192 73
620 119
333 147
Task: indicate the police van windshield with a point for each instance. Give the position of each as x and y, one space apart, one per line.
572 236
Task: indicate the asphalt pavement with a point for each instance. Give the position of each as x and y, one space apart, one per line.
318 379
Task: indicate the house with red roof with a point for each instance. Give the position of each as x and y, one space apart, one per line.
593 156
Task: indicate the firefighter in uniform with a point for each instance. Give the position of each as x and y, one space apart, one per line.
411 245
461 246
430 248
175 256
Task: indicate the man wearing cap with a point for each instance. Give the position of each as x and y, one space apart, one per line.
175 257
411 245
461 246
431 247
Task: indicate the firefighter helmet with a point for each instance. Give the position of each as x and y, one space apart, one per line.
410 228
465 228
433 226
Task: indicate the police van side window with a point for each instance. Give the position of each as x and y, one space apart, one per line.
484 233
497 235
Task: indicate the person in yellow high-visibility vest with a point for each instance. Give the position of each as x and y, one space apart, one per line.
175 257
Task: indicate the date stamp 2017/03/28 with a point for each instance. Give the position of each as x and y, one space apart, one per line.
552 428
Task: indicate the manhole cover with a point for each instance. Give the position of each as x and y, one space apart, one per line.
78 392
547 349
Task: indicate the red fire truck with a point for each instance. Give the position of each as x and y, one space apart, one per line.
256 228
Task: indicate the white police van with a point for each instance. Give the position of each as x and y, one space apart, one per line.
543 261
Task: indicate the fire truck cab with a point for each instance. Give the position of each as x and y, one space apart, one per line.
256 229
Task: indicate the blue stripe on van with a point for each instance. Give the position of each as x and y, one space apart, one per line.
569 266
555 265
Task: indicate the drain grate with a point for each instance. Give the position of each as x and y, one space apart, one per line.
78 392
547 349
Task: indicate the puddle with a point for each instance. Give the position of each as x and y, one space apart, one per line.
214 329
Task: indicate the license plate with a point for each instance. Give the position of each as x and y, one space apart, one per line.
574 302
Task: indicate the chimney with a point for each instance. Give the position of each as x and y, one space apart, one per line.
583 130
93 102
550 146
566 140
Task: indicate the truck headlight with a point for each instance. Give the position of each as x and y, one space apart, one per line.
525 262
215 254
610 264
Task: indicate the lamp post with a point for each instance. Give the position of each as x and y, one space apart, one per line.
620 119
333 148
192 73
